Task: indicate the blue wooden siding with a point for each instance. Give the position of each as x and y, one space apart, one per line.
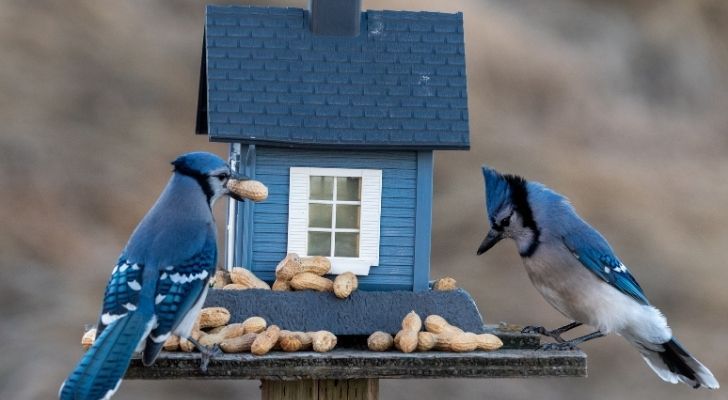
423 224
399 200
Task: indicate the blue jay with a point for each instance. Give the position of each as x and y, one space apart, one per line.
576 271
160 282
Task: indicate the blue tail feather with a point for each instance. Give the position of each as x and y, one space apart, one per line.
101 369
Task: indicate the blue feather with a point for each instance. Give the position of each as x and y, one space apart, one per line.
497 189
179 295
101 369
119 292
593 251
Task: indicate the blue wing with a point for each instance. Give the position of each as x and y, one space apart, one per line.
122 293
593 251
179 288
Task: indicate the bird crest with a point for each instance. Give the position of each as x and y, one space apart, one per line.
497 190
199 163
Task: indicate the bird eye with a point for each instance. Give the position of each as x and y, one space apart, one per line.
506 221
223 176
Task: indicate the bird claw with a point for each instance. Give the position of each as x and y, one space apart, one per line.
561 346
539 330
206 354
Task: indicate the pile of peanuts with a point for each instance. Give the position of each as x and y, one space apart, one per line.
438 335
292 273
253 335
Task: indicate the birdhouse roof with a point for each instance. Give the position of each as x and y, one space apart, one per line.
400 83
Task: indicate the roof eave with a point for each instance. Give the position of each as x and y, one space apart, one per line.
341 146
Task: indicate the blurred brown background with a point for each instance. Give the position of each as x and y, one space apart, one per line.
622 105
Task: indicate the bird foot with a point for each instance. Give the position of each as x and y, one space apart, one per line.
560 346
206 354
540 330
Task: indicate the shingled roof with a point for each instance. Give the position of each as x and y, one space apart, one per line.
400 83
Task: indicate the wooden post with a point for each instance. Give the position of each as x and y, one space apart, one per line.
321 389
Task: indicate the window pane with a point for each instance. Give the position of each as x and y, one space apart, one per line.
347 244
319 244
319 215
348 189
322 187
347 216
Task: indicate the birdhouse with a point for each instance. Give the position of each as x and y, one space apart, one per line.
338 112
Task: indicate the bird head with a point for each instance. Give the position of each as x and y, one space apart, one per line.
211 172
509 212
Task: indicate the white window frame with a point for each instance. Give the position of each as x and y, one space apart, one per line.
369 217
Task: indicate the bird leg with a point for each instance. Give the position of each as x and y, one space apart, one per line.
554 334
571 344
206 353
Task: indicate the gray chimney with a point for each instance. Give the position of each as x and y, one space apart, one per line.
334 17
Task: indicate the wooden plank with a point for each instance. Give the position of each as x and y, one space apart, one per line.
363 364
291 390
323 389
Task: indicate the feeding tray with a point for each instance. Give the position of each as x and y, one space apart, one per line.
361 313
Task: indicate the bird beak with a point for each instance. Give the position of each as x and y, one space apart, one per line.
235 177
490 240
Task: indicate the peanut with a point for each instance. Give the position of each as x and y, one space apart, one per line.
281 286
323 341
469 341
214 331
254 324
380 341
438 324
288 267
464 342
487 341
238 344
235 286
309 280
171 344
212 317
246 278
318 265
221 278
458 341
443 341
225 332
445 284
406 341
88 338
412 322
294 341
265 341
345 284
426 341
187 346
248 189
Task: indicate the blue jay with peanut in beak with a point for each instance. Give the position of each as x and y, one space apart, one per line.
576 271
160 282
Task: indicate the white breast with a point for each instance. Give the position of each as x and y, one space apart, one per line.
582 296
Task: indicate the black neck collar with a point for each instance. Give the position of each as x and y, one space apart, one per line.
519 199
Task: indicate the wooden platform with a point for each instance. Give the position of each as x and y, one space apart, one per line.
520 358
358 364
